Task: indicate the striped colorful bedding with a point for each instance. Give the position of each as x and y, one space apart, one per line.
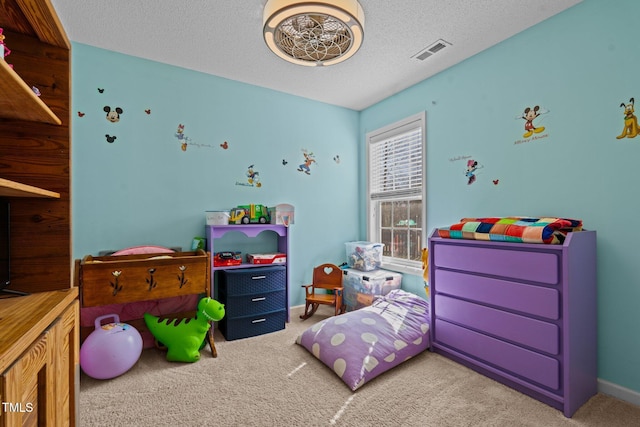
512 229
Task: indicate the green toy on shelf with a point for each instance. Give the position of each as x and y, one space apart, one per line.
184 339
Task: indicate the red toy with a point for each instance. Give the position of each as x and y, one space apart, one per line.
221 259
275 258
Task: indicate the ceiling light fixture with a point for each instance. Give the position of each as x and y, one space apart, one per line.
313 33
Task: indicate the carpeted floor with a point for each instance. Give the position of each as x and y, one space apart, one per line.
271 381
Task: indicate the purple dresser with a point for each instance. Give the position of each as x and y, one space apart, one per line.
522 314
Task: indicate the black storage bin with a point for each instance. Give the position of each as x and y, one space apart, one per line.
255 301
243 305
251 326
248 281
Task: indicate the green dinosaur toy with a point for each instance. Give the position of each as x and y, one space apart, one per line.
185 339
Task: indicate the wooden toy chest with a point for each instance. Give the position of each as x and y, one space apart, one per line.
130 278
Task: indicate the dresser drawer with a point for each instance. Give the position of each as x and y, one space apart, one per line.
251 326
243 305
532 266
532 366
522 330
249 281
528 299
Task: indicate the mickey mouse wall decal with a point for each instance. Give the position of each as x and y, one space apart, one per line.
529 115
113 115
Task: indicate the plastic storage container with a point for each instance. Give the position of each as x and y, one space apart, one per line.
360 287
282 214
255 301
217 217
364 256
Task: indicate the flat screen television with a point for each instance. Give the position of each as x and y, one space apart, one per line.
5 248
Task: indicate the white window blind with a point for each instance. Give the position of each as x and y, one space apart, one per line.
396 165
396 185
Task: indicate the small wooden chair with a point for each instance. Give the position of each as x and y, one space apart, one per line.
328 277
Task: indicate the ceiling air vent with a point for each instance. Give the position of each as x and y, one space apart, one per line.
430 50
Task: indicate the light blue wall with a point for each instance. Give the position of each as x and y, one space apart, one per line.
580 65
144 189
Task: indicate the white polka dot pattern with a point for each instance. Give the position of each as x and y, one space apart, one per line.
316 350
399 344
362 344
369 338
339 367
337 339
370 363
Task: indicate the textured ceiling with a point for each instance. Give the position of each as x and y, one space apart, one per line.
224 38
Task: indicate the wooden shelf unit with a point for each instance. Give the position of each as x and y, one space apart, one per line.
278 234
19 101
15 189
34 18
39 337
35 144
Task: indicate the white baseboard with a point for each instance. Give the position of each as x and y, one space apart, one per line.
619 392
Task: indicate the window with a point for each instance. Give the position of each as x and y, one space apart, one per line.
396 192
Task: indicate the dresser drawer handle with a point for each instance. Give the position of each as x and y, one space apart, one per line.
258 299
258 320
258 277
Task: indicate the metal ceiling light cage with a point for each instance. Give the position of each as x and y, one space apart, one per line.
313 33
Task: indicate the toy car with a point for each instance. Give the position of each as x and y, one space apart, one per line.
227 258
250 214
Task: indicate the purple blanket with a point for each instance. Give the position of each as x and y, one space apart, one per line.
360 345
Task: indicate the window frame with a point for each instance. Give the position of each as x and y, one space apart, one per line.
374 226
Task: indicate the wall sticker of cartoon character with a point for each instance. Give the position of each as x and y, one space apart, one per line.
112 116
630 129
309 158
529 115
253 177
184 139
470 173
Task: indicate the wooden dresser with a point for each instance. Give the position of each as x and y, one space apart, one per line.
522 314
39 359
